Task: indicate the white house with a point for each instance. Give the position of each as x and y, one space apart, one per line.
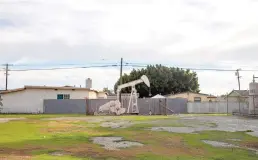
30 98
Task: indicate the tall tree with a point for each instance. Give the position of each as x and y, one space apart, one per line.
164 80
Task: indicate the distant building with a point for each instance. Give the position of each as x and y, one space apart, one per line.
30 98
123 96
194 97
238 95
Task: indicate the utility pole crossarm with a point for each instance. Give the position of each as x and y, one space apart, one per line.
254 78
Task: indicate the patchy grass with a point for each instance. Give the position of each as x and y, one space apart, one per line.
208 114
49 157
34 138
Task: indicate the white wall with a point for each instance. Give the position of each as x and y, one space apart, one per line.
102 95
92 95
31 100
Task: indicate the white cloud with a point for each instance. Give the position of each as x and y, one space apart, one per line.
196 33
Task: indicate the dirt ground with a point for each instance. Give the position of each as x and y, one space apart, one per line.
174 137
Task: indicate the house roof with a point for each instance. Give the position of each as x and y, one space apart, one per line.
48 87
243 93
208 95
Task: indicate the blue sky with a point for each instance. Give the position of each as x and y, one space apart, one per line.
184 33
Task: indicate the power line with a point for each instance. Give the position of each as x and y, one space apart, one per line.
127 64
42 69
194 68
62 64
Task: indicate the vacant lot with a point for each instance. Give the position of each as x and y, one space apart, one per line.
181 137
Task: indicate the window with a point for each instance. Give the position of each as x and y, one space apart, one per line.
63 96
60 96
66 96
197 99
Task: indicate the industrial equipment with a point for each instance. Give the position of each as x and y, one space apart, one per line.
115 107
133 106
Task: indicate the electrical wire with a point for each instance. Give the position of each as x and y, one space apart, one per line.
195 69
62 64
40 69
126 64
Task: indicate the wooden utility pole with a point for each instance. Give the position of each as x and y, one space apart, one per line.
6 76
121 80
238 78
254 96
254 78
227 103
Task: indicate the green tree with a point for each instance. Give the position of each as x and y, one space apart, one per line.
164 80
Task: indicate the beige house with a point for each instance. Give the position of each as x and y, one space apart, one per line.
238 96
30 98
194 97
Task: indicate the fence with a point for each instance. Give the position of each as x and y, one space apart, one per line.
64 106
19 109
217 107
146 106
253 105
163 106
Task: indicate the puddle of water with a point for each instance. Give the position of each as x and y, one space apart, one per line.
114 143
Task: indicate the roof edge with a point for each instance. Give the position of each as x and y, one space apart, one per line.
49 87
192 92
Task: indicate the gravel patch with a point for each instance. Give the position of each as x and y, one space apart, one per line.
57 153
227 145
123 124
219 144
236 140
174 129
4 120
254 150
221 123
253 133
213 123
228 123
114 143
